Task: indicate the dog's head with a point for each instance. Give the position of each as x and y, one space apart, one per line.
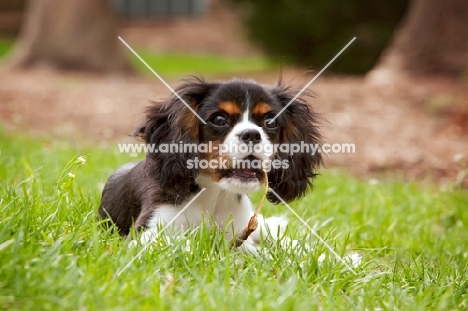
239 140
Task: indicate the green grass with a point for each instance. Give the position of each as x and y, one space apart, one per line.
182 64
5 47
53 255
173 64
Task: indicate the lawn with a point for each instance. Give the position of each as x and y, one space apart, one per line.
182 64
5 47
54 256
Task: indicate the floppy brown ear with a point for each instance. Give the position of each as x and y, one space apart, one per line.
298 124
172 122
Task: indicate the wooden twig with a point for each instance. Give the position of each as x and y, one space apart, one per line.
253 222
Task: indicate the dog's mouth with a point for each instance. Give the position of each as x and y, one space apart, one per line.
245 173
249 172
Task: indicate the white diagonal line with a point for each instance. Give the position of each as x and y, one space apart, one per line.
311 81
314 233
154 237
161 79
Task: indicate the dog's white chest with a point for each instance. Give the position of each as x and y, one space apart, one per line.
212 206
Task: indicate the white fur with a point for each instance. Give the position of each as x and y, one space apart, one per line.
232 139
231 184
220 203
235 152
214 206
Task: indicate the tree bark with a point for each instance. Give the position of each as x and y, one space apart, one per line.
71 35
431 40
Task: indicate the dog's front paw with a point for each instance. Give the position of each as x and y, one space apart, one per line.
249 246
145 238
274 226
132 244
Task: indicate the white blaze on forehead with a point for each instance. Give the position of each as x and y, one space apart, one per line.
233 139
245 116
246 124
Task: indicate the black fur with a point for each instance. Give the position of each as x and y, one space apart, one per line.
133 192
298 123
131 195
165 124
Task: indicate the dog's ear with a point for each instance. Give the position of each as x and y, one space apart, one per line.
172 122
298 124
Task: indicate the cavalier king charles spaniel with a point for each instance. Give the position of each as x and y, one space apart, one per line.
238 113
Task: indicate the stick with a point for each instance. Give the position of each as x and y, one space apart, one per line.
253 222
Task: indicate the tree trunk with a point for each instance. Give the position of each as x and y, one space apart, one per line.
72 35
432 40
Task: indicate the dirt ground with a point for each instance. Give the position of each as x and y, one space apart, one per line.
415 130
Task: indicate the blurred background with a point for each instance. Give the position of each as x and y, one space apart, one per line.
399 92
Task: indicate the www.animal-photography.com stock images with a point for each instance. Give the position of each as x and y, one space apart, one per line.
233 155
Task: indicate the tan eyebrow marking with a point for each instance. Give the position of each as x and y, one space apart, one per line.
230 107
261 108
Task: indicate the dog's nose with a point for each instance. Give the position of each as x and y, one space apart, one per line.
250 135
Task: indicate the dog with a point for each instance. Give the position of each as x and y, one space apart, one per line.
237 113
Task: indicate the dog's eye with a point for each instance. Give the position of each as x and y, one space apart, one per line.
269 125
219 120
